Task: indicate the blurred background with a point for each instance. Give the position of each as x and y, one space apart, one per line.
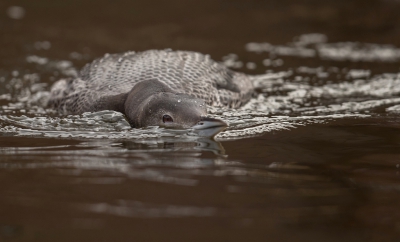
216 27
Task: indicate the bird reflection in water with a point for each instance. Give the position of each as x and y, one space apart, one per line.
195 144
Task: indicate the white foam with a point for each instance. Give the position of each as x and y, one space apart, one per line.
287 99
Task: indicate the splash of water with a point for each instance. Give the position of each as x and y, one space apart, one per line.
283 100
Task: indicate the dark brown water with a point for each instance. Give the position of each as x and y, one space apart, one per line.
315 156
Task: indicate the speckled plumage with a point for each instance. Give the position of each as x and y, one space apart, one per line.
183 71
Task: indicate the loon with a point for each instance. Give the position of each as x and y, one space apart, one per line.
155 88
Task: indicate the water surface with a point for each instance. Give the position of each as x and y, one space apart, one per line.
314 156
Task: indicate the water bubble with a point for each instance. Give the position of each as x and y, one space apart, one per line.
75 55
312 38
267 62
37 59
357 74
63 64
42 45
278 62
258 47
232 61
251 65
322 74
358 52
16 12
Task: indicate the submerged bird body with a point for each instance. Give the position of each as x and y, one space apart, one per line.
137 84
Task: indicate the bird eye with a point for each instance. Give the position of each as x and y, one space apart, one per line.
167 119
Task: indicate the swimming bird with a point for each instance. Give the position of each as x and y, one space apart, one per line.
155 88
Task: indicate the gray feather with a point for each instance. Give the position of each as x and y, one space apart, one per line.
101 83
